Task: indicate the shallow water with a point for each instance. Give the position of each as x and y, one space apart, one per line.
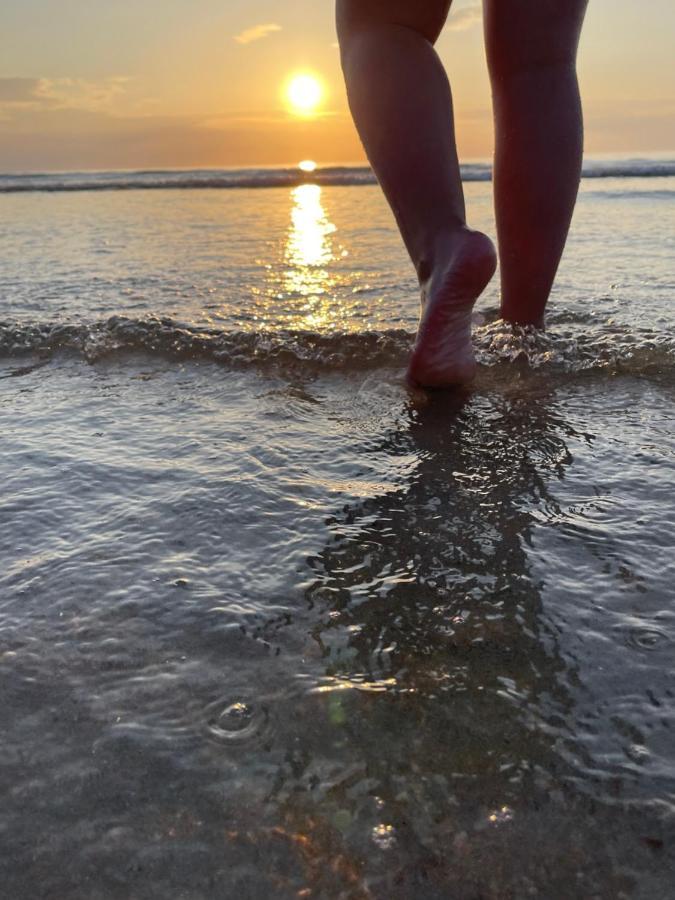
272 626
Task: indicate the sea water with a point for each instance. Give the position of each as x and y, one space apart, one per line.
271 625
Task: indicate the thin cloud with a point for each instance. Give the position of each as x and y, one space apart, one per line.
466 18
18 90
256 33
44 94
78 93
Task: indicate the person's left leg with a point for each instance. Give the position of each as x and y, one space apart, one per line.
531 49
402 106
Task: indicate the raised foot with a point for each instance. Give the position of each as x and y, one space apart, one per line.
443 354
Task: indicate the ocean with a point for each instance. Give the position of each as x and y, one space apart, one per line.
274 625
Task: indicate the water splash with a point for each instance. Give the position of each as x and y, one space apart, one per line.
609 347
235 722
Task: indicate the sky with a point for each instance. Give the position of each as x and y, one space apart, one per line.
88 84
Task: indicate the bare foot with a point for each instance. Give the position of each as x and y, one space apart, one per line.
443 355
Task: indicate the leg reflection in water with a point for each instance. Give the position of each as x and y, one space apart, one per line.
432 744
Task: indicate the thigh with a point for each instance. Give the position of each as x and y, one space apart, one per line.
424 16
522 34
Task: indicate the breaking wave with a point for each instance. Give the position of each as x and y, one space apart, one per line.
610 348
281 177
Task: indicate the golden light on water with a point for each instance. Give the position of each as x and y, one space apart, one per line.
501 816
309 244
304 92
306 287
309 253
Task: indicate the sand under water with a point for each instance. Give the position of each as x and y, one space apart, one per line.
273 626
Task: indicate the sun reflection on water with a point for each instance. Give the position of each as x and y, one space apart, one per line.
308 253
309 244
309 281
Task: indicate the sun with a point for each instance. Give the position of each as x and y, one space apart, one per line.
304 93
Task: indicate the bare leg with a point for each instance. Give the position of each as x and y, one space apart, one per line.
401 102
531 48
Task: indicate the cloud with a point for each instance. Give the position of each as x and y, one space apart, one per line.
77 93
61 93
466 18
75 139
256 33
18 90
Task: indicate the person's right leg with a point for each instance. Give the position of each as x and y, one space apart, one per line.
400 98
531 48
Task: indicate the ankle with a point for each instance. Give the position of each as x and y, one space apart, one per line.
438 250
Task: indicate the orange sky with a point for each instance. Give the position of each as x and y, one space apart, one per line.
179 83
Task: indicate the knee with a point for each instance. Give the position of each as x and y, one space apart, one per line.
506 66
367 47
354 17
360 47
528 38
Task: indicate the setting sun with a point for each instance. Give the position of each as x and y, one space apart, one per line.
304 93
